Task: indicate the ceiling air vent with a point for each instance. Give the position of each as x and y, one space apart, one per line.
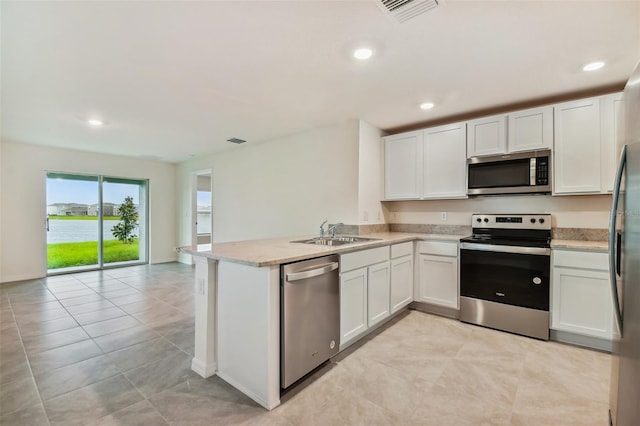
403 10
236 140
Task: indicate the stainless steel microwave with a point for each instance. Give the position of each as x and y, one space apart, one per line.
518 173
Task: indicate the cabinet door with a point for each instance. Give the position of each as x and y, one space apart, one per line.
487 136
378 293
439 280
402 163
353 304
444 170
401 282
530 129
576 162
611 140
581 302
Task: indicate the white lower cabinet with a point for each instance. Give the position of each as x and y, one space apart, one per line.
401 275
438 273
377 293
353 304
581 294
364 291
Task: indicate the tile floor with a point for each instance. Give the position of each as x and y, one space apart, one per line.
115 347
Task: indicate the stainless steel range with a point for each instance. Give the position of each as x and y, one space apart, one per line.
505 273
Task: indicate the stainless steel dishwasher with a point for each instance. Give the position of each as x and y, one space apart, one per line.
309 316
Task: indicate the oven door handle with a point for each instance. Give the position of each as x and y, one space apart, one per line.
541 251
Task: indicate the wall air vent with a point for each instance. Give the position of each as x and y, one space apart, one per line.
402 10
236 140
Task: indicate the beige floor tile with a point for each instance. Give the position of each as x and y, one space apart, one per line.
65 379
444 405
547 405
421 369
92 402
395 390
139 414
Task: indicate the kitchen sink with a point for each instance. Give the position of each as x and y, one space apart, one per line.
335 241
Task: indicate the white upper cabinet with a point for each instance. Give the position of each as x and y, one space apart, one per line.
577 147
530 129
611 109
444 168
426 164
402 166
487 136
524 130
586 139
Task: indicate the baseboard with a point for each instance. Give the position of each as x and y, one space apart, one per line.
249 393
165 260
428 308
8 279
580 340
203 369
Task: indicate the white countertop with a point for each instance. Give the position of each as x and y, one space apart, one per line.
277 251
281 250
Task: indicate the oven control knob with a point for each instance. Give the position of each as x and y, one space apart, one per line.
537 281
486 220
533 220
541 220
478 220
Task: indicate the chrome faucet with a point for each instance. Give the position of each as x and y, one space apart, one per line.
332 229
322 229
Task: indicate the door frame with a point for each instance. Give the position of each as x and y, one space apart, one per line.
194 205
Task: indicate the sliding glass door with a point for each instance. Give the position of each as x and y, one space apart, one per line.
124 242
95 222
72 232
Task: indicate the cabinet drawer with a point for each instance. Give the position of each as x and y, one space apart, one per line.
439 248
360 259
581 259
402 249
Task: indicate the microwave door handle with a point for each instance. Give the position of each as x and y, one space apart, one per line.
532 171
614 241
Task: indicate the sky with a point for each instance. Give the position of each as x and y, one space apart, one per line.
86 192
204 198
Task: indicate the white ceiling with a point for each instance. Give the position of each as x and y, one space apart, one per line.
173 79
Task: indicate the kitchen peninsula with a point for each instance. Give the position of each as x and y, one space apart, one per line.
237 307
237 300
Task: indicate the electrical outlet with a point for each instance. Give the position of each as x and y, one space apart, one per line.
201 286
365 216
443 216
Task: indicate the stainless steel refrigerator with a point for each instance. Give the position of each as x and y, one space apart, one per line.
624 264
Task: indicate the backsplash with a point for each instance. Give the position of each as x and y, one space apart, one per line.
362 229
576 234
431 229
580 234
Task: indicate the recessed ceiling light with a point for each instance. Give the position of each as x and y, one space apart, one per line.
95 122
427 105
363 53
592 66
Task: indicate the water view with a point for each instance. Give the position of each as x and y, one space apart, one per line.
67 231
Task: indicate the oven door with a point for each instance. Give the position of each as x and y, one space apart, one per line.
512 275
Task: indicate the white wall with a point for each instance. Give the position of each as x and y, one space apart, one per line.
23 202
578 211
285 187
370 174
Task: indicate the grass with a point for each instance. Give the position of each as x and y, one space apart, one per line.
82 218
66 255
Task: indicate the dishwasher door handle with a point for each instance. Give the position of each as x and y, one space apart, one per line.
321 270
